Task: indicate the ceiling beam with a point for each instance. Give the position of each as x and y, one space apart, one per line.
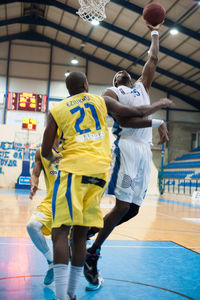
113 28
168 22
34 36
37 20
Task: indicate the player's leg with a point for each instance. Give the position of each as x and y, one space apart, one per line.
34 230
120 184
132 212
141 182
93 253
39 225
93 217
67 208
78 257
61 259
112 219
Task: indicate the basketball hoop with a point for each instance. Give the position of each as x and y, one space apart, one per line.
92 10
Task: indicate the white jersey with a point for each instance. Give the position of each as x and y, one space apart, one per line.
135 96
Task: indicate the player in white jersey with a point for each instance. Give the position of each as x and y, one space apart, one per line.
130 170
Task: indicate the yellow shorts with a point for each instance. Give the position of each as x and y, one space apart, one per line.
43 213
76 199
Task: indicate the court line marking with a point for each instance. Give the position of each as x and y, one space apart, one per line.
179 246
149 247
111 279
107 246
153 286
190 249
178 203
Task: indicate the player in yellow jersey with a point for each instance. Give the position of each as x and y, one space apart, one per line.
83 172
41 219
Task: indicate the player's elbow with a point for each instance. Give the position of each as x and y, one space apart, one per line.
141 113
154 59
44 152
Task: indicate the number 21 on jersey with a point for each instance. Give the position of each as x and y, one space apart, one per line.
82 115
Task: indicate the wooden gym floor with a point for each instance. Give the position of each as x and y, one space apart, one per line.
153 256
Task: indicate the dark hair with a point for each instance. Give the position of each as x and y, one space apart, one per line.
75 82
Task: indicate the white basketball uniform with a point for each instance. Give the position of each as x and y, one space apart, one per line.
131 161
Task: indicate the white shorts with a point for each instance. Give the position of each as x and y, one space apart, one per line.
130 170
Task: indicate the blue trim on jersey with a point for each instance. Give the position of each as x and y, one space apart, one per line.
68 194
113 179
55 150
61 138
55 191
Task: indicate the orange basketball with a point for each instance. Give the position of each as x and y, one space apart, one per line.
154 13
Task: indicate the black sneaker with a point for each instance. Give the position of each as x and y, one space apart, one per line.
90 267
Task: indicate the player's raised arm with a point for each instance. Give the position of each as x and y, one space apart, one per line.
48 140
35 174
116 109
150 66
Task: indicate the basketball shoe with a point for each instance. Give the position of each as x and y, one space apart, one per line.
90 267
49 277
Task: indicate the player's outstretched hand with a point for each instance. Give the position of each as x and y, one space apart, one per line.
163 133
34 186
54 159
167 103
151 27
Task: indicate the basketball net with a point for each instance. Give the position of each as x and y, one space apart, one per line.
92 10
26 140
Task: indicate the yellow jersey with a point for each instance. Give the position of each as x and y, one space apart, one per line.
50 174
81 120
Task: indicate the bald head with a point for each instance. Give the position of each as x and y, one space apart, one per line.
76 82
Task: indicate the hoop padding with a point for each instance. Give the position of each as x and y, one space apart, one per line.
92 10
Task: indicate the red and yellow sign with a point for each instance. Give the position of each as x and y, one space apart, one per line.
29 124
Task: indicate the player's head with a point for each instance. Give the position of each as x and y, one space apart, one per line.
122 78
76 82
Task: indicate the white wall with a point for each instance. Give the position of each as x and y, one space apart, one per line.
16 117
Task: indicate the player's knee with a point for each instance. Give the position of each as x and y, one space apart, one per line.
33 226
60 234
133 210
30 226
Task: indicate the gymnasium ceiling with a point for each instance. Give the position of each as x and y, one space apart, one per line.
121 41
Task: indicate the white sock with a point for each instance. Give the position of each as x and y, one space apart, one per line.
49 256
74 276
60 278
